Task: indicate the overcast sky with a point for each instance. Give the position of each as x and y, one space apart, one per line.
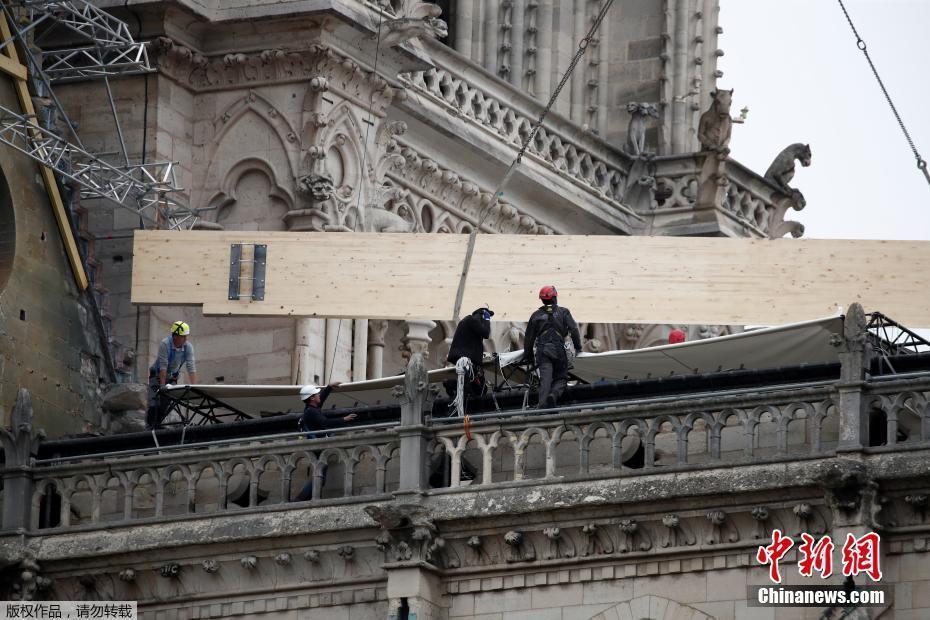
795 64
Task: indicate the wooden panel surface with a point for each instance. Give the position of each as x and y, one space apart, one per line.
607 279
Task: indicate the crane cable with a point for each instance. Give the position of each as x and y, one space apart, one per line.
358 197
469 252
921 162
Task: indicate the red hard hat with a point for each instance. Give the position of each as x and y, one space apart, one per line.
676 336
547 293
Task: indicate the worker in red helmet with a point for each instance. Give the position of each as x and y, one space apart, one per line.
546 330
676 336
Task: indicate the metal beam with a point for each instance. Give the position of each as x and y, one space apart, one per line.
143 188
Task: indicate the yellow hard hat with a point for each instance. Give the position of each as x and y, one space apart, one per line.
180 328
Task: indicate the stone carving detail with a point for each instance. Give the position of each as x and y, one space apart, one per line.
853 497
273 65
27 581
128 575
640 113
560 545
781 171
633 537
761 530
517 548
720 528
282 559
918 503
210 566
312 556
676 534
249 562
414 20
597 540
346 552
450 204
407 532
808 520
715 125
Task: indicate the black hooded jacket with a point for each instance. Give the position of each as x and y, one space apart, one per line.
468 338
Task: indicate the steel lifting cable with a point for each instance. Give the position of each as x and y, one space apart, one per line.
921 162
358 196
469 252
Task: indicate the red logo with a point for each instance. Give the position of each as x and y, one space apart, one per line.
772 554
860 555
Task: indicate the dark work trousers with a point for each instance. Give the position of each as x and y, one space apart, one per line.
306 493
553 377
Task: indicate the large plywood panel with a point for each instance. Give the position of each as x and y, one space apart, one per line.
608 279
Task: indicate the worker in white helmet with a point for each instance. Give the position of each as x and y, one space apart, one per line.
313 419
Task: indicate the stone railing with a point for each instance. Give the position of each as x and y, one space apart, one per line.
509 114
196 481
699 433
623 439
748 199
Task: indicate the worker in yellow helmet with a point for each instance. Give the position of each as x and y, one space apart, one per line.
175 353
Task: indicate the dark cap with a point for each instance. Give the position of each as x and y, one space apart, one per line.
483 310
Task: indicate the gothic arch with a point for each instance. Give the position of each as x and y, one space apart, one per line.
7 232
264 109
652 607
252 130
228 197
343 138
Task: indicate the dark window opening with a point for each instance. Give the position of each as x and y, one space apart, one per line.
448 16
7 233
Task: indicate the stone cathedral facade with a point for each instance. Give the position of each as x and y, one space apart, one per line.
333 116
401 116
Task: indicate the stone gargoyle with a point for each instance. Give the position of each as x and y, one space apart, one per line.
781 171
715 125
414 20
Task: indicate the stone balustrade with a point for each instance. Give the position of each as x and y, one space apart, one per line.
590 442
623 439
509 114
96 491
755 206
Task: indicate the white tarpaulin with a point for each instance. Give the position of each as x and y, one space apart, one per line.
787 345
772 347
255 400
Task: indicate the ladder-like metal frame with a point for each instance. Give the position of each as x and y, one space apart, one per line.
145 189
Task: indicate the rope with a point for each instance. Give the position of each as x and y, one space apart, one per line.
469 252
358 196
921 162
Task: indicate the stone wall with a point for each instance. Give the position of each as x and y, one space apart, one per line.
49 340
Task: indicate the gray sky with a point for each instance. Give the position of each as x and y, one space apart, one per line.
796 65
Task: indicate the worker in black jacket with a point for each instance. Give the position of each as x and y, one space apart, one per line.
547 329
468 341
313 419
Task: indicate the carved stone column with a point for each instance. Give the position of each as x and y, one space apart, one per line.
413 441
418 339
307 364
19 444
360 350
855 359
376 331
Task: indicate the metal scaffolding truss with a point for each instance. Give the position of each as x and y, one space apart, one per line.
111 50
142 188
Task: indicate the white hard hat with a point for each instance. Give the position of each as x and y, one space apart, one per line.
309 390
